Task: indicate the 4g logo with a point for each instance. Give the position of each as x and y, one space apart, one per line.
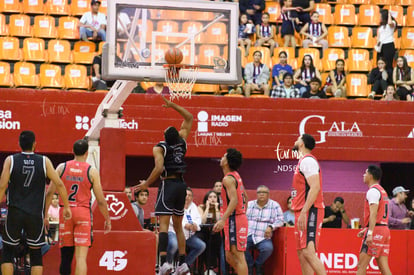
113 260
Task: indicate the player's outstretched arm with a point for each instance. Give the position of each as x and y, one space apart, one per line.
100 198
158 153
60 186
188 117
5 177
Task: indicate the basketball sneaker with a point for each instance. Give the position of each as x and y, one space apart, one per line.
166 269
182 269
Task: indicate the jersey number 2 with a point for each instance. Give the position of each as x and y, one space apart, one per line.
28 171
74 189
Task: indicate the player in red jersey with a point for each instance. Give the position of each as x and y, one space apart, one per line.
75 233
233 213
376 233
307 203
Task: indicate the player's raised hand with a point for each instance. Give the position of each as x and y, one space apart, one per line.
168 103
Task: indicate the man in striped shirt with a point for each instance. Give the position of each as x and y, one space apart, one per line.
264 216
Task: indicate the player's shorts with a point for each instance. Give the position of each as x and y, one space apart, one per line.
76 231
235 232
18 221
380 242
313 228
171 197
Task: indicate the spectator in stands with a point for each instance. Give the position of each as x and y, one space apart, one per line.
302 10
400 217
315 92
288 23
403 78
315 32
287 89
380 77
266 33
93 23
335 82
253 9
158 88
412 216
53 212
305 73
335 214
246 28
191 224
97 82
289 215
385 37
264 216
280 69
390 94
141 199
217 188
256 75
128 193
210 214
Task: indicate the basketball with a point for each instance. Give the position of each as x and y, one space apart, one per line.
173 56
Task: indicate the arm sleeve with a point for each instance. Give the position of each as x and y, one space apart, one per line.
248 74
84 18
373 196
309 167
278 219
265 75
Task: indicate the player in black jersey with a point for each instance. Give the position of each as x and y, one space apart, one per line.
24 177
170 166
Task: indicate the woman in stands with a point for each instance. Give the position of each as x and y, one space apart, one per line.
305 73
315 32
385 38
280 69
403 78
210 213
246 28
288 23
379 78
335 82
390 94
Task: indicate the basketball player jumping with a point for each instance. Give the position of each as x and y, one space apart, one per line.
24 175
170 166
233 212
376 221
75 234
307 202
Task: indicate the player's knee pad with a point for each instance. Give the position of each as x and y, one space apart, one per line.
35 257
163 241
66 253
8 253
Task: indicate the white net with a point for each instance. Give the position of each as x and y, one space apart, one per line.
180 85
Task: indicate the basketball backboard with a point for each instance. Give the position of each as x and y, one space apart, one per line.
140 32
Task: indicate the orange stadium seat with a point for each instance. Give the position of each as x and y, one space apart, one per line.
409 55
359 2
76 77
68 28
34 50
369 15
194 27
83 52
330 56
265 55
104 6
314 53
345 14
409 18
291 60
4 29
167 26
25 75
10 6
207 53
325 14
217 34
274 10
382 2
206 88
338 37
149 30
404 2
33 7
6 78
362 37
44 27
9 48
59 51
204 16
57 7
186 54
407 38
79 7
50 76
397 12
175 14
358 60
356 85
19 25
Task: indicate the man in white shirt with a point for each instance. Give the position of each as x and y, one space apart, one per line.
191 224
93 23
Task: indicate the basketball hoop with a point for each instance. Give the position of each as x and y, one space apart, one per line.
180 85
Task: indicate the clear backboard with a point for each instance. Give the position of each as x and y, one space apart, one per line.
140 32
